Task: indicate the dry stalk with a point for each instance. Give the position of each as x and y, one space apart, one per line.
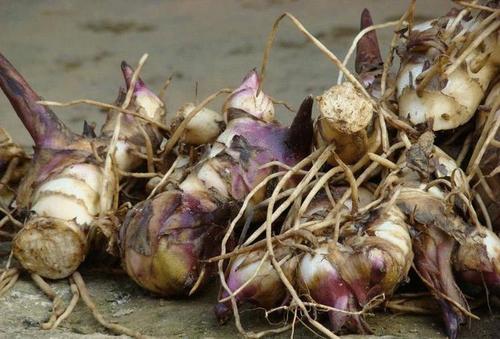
283 103
400 307
325 154
9 280
110 185
362 177
444 296
484 211
304 162
13 220
474 5
315 225
199 281
317 43
227 235
322 182
352 182
474 44
285 280
484 140
285 166
246 283
285 194
465 150
149 149
8 277
164 87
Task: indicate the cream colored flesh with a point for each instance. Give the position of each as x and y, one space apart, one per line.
79 190
345 109
449 108
396 234
246 271
71 195
456 103
90 174
192 184
150 106
312 265
257 104
492 244
203 128
50 247
212 179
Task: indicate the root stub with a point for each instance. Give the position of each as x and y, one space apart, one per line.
51 248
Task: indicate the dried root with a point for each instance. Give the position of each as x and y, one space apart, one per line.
115 328
333 230
435 227
164 239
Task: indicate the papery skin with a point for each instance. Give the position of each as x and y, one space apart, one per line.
249 97
15 159
207 199
203 128
434 247
433 231
372 257
61 193
366 263
477 259
442 240
446 101
319 276
266 290
369 63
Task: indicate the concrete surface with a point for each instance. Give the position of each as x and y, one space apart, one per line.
73 49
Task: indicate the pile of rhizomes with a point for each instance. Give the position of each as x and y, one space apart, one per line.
318 223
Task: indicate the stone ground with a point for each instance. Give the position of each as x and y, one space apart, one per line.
73 49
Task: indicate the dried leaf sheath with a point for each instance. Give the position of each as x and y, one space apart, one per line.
370 261
13 166
63 186
433 87
176 227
